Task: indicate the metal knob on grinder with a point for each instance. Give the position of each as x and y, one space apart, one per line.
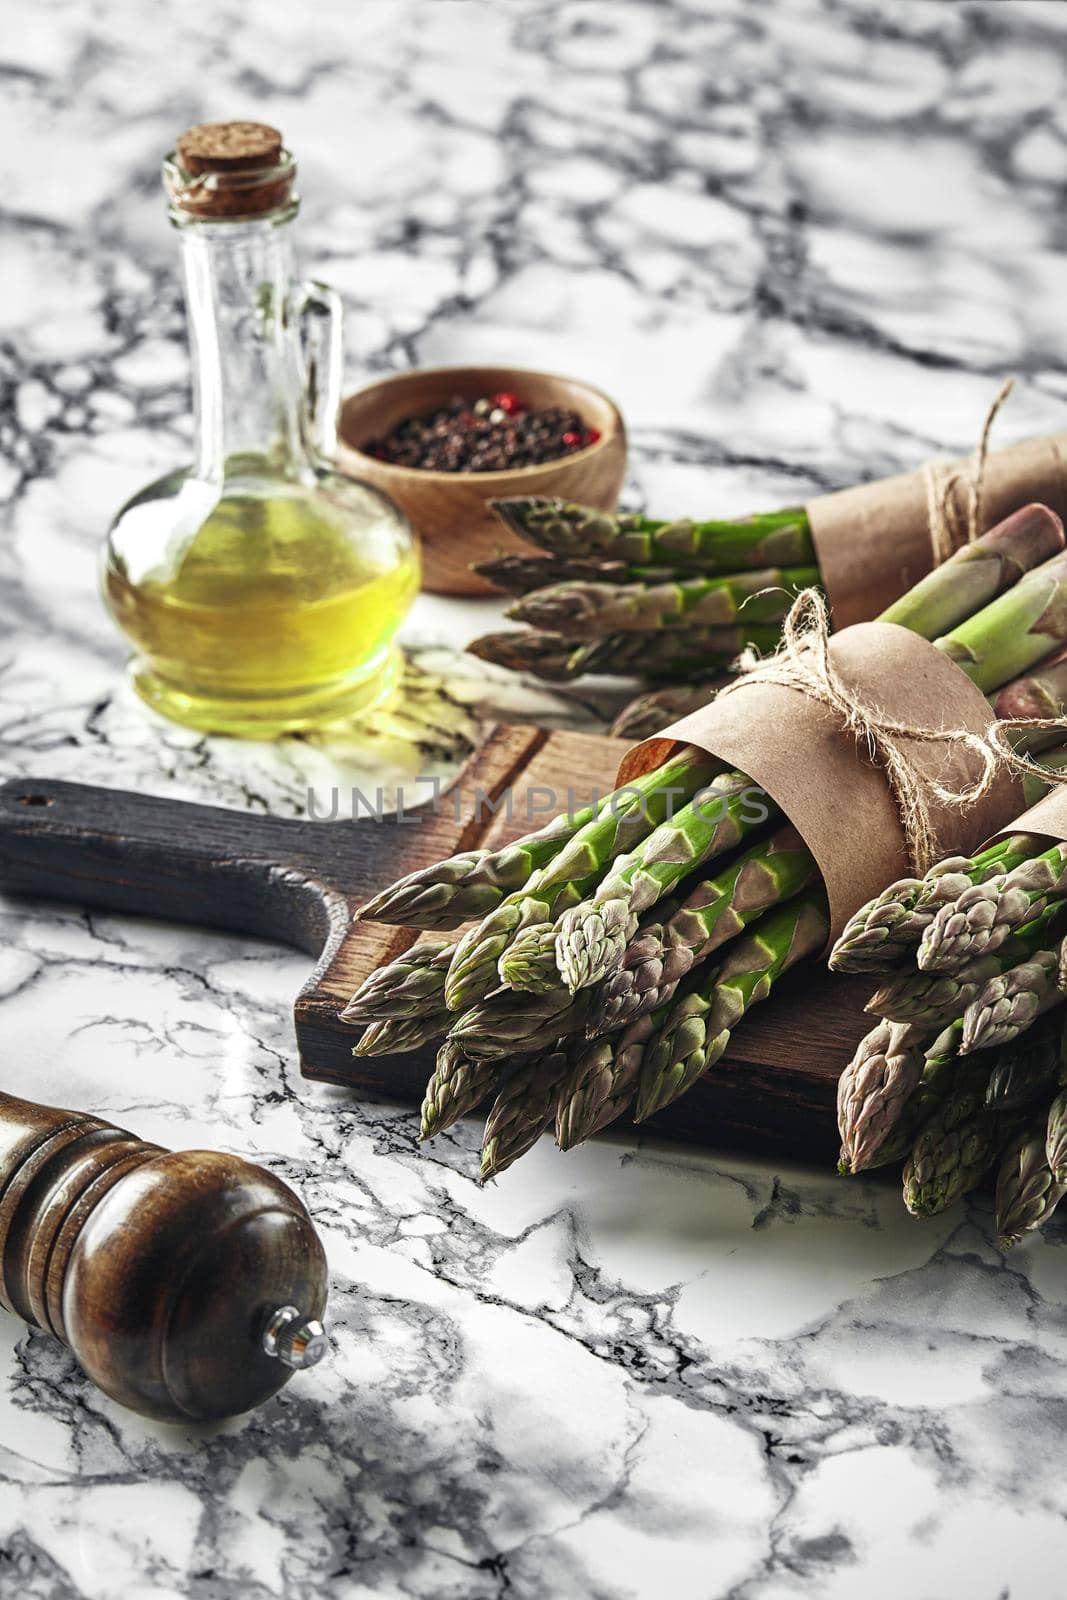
190 1285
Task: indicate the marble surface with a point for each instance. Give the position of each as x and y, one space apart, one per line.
801 243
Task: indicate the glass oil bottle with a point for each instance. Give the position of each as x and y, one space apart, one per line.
261 589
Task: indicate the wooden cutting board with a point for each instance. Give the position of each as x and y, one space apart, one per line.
299 882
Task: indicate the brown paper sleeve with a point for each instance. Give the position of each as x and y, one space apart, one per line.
1048 816
831 791
872 542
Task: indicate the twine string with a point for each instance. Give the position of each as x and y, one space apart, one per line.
945 518
803 662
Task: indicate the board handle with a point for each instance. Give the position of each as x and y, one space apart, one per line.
169 859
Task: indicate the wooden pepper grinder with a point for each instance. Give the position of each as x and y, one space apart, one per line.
188 1284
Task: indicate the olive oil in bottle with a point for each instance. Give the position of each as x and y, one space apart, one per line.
261 589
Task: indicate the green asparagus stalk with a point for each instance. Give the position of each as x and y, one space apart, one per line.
394 1036
448 893
644 716
529 962
697 1028
936 998
645 968
953 1152
626 817
978 572
411 986
1009 1002
1029 1069
523 574
593 936
524 1107
1039 695
1027 1191
603 1082
717 910
674 653
458 1084
779 538
988 913
1056 1137
1015 631
600 608
511 1023
874 1088
474 971
885 932
943 1073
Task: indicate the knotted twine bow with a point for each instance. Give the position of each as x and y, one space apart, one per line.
802 662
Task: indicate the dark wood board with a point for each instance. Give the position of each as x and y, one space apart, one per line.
299 882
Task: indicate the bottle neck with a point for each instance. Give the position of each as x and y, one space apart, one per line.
246 376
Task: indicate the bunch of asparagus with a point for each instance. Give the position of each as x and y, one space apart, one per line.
965 1067
630 596
613 952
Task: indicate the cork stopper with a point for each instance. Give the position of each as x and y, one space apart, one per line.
229 171
228 147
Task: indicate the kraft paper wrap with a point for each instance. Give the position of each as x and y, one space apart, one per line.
835 796
873 542
1048 816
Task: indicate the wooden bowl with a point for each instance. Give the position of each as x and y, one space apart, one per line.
451 510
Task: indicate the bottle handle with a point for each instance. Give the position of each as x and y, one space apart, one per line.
319 314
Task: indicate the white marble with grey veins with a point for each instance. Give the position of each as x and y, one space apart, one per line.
801 242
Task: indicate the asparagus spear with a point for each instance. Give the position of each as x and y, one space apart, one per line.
448 893
603 1082
942 1073
512 1023
978 572
935 998
885 931
593 935
1039 694
674 653
778 538
523 574
716 911
1013 632
626 817
697 1028
988 913
523 1109
648 713
439 897
474 971
458 1084
1056 1137
394 1036
529 962
1008 1003
874 1088
1027 1191
953 1152
599 608
1029 1068
411 986
646 968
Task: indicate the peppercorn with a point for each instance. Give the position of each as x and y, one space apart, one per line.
490 434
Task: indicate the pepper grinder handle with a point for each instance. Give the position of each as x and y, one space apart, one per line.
188 1284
